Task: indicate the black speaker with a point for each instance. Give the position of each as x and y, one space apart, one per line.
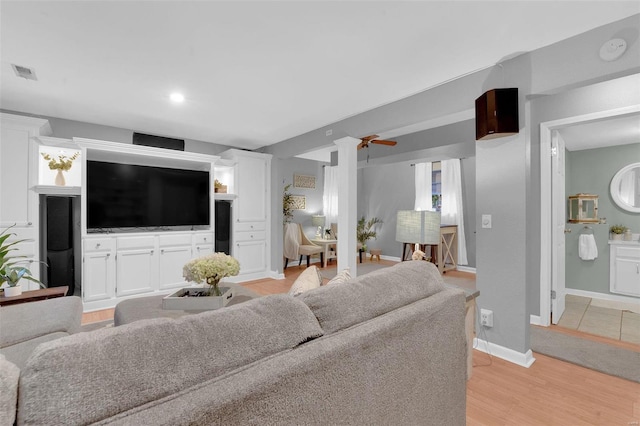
497 114
223 226
158 141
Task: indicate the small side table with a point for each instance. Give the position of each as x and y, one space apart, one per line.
469 322
34 295
325 245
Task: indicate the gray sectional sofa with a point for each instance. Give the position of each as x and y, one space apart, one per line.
388 347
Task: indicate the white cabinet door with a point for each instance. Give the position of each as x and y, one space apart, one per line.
625 270
14 167
172 260
251 184
252 256
137 271
98 276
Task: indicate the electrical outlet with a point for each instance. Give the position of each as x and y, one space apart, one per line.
329 132
486 317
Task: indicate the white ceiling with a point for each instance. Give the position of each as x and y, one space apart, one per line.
602 133
256 73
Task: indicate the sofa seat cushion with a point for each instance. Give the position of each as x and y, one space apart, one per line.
340 306
88 377
19 353
9 376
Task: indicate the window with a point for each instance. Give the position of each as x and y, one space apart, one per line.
436 186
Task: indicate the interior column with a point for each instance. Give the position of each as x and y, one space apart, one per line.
347 203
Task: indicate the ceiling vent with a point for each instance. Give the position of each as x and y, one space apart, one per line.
25 72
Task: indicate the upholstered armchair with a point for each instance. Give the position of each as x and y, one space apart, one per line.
297 244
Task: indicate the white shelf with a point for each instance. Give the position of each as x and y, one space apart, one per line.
219 196
57 190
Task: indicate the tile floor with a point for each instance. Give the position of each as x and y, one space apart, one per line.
580 315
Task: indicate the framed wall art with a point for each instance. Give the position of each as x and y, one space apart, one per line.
298 202
302 181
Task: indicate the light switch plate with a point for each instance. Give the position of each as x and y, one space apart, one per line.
486 221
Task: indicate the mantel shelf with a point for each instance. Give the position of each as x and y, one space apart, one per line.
57 190
219 196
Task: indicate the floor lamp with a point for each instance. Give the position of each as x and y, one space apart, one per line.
417 227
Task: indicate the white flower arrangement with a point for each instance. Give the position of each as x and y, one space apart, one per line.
210 269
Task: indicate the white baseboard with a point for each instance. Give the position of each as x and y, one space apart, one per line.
276 275
535 320
466 269
612 301
391 258
518 358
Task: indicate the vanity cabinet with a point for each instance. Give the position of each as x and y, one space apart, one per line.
251 238
18 175
624 272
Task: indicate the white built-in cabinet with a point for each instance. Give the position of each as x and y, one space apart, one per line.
624 268
18 175
251 212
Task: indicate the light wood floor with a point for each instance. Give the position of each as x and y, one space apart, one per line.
550 392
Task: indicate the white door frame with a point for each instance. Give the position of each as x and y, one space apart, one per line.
546 222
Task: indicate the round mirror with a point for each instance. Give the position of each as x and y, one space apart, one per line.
625 188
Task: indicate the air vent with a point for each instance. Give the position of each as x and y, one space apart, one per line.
25 72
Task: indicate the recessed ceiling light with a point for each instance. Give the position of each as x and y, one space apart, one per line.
177 97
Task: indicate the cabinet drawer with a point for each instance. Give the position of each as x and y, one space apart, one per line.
175 240
251 236
249 226
98 244
628 252
125 243
203 238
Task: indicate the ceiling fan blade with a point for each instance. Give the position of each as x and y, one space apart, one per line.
368 138
384 142
362 144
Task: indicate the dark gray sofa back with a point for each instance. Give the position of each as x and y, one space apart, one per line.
342 305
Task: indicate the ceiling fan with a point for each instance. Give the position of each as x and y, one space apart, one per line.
372 139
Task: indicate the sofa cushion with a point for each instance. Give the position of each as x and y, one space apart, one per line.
309 279
87 377
341 277
19 323
340 306
19 353
9 376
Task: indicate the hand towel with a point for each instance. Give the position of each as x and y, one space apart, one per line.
587 249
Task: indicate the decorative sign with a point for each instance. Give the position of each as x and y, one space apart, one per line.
302 181
298 202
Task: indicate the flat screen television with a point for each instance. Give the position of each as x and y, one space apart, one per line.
133 196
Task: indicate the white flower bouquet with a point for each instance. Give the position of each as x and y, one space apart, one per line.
210 269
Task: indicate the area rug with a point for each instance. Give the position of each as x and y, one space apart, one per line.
363 268
96 325
597 356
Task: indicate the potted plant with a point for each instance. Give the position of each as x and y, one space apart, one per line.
287 205
12 268
617 231
219 187
365 231
210 269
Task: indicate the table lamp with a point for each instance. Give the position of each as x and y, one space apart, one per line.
418 227
318 220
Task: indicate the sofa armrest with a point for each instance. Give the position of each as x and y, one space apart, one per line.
26 321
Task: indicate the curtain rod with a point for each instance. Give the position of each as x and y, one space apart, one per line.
438 161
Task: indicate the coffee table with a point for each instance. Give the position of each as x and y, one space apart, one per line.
148 307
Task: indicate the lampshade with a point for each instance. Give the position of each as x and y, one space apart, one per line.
422 227
317 220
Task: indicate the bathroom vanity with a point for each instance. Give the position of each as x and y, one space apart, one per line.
624 267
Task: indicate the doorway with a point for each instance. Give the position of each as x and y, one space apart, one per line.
553 216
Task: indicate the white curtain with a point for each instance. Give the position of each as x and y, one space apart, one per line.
423 187
452 209
330 195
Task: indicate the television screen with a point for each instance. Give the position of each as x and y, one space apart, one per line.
131 196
